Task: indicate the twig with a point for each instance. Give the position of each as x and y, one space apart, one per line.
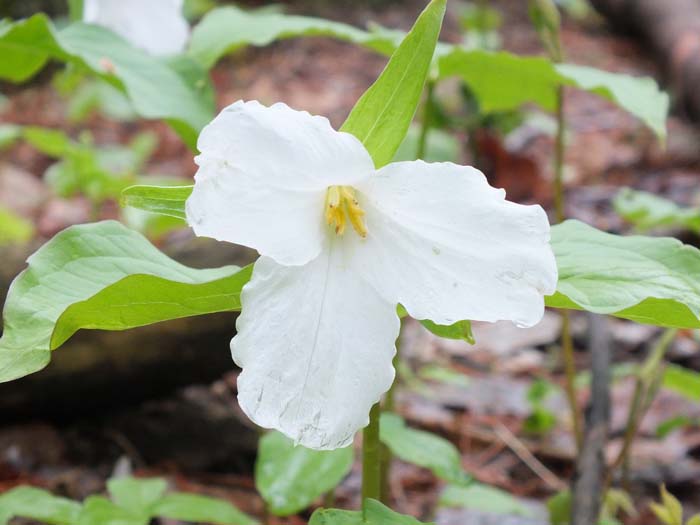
527 457
588 483
642 398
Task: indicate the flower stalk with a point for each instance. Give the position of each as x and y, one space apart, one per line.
371 459
390 406
545 17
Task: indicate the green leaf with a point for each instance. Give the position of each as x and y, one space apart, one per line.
461 330
164 200
52 142
683 381
200 509
37 504
138 495
646 211
376 514
669 425
477 496
227 29
75 10
423 449
559 507
382 116
503 81
290 477
672 505
102 276
444 375
97 509
14 229
646 279
157 90
9 134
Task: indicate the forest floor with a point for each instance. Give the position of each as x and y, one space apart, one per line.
477 396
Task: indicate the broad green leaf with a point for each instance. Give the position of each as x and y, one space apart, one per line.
199 509
157 90
382 116
376 514
646 279
164 200
683 381
484 498
14 229
37 504
503 81
646 211
102 276
290 477
226 29
423 449
97 509
138 495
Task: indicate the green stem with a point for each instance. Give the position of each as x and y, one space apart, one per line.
641 399
389 406
329 499
426 119
560 148
371 459
567 343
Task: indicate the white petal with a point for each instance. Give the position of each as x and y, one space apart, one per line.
448 246
157 26
263 175
315 344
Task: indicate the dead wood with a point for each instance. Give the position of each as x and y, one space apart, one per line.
98 370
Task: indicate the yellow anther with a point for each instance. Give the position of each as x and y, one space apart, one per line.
341 205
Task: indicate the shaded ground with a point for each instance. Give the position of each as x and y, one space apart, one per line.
484 412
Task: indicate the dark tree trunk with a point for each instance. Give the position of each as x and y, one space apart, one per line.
672 30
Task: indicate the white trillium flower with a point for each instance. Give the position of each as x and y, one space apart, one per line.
341 245
156 26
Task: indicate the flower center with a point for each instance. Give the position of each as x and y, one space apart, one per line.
342 205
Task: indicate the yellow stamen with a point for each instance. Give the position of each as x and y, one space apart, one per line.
341 205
